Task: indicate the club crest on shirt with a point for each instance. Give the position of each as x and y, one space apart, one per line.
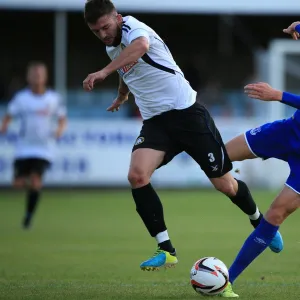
43 112
46 111
254 131
139 140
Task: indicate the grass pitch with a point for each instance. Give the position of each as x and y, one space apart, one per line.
89 244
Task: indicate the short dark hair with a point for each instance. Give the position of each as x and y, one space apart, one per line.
95 9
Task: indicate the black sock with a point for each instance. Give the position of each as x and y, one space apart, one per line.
255 223
243 199
32 201
150 209
167 246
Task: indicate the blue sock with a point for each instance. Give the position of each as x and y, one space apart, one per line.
255 244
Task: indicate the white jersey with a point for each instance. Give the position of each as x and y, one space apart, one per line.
155 80
36 112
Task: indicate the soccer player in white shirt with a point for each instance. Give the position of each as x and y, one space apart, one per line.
35 107
173 121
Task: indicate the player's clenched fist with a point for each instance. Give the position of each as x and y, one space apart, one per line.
92 79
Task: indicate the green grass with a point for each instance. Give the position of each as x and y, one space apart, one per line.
88 245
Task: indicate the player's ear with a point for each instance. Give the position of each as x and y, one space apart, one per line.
119 19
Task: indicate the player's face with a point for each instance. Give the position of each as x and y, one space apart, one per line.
108 29
37 76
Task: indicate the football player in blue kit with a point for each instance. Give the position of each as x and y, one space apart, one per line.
281 140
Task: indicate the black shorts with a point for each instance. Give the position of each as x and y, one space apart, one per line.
191 130
24 167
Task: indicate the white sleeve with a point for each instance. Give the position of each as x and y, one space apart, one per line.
14 107
136 33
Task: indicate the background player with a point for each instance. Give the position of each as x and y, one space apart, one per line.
35 107
281 140
173 121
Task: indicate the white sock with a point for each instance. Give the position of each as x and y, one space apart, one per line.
162 237
256 215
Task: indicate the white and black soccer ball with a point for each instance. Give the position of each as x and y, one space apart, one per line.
209 276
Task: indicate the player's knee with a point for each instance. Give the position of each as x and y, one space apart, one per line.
35 182
228 190
138 178
19 183
226 187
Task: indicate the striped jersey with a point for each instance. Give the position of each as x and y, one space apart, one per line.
155 80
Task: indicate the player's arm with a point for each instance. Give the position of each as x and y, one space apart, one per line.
61 126
5 123
293 30
61 119
123 93
265 92
13 110
129 55
137 48
123 89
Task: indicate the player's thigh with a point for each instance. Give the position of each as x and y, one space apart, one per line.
38 167
155 138
238 149
284 204
213 159
271 139
201 139
20 173
210 153
152 149
144 161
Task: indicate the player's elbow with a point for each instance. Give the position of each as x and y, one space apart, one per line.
143 45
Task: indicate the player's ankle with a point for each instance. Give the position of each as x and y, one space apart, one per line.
166 246
256 218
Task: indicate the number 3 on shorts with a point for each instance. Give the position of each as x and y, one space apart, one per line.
211 157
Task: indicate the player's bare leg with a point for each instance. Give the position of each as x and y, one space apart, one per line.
144 161
238 149
19 182
239 194
284 205
33 195
237 190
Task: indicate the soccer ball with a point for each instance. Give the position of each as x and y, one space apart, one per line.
209 276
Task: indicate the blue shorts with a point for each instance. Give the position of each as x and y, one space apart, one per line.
281 140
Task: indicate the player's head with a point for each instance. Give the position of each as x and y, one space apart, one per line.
102 18
37 74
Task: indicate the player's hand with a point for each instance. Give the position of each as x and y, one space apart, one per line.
93 78
3 130
262 91
291 30
58 134
115 106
